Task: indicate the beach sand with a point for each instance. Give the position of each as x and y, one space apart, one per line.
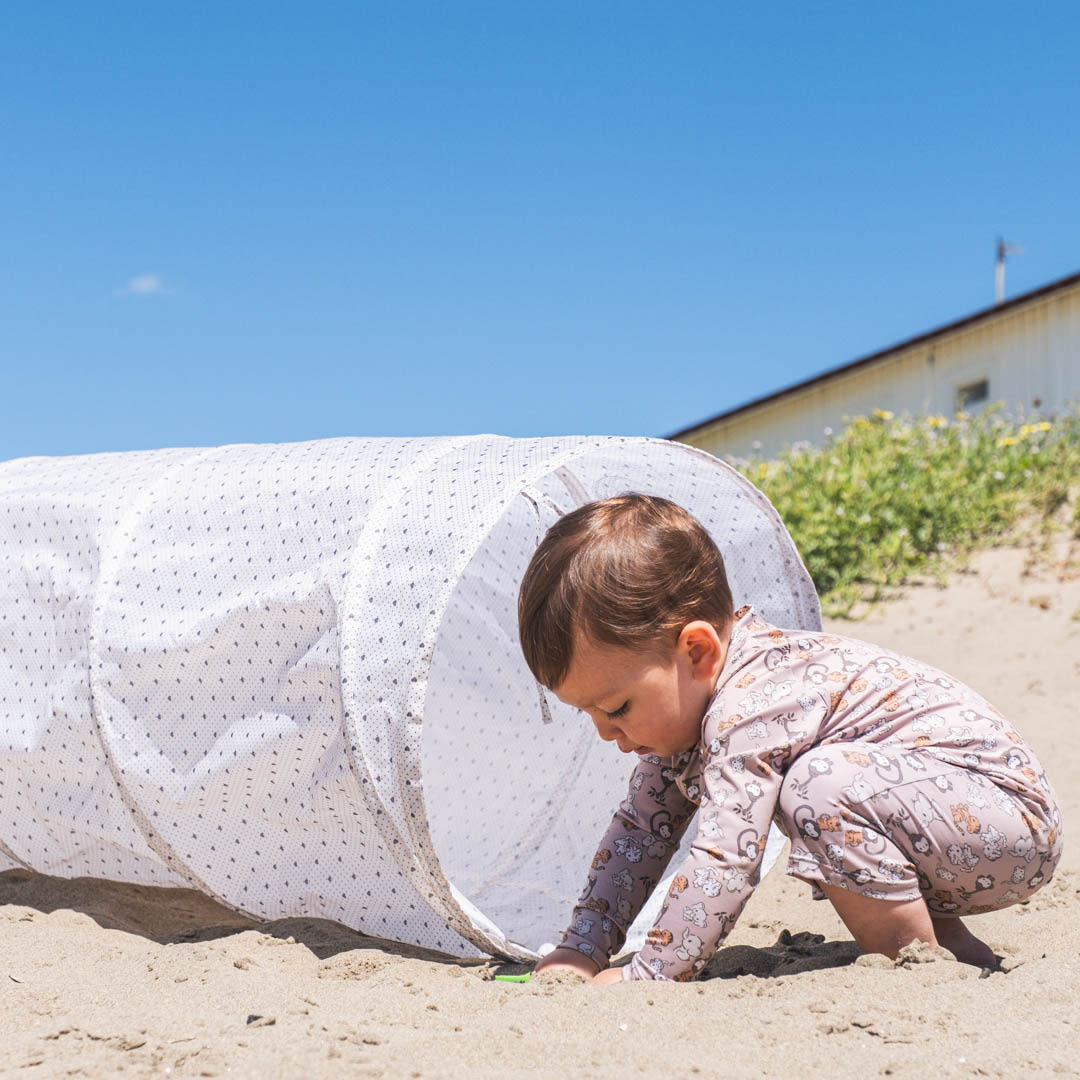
100 978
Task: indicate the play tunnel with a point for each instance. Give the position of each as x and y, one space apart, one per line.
288 674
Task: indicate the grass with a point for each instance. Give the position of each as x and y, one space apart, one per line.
892 498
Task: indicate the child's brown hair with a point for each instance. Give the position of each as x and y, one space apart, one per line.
629 571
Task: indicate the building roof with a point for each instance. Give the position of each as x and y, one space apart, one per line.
872 358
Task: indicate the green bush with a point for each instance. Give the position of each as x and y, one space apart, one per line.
889 498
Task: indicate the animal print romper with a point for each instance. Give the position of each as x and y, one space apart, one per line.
889 777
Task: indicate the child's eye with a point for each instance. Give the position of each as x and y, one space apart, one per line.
620 711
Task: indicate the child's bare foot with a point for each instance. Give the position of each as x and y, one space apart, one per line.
953 935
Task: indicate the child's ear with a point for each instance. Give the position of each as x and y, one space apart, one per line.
701 643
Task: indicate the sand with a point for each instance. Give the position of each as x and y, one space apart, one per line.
99 978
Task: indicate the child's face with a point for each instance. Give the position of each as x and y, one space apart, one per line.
647 703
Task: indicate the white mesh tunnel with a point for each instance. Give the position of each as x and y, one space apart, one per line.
288 674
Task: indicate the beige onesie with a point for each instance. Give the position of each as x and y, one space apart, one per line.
889 776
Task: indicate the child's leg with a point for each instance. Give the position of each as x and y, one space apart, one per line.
886 926
882 926
903 844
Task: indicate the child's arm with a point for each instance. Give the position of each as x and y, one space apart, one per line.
635 851
715 881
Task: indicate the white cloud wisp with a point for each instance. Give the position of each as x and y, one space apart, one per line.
143 285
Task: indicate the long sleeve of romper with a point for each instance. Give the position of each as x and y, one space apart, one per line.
739 790
636 849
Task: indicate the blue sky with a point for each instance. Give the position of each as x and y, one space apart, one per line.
272 222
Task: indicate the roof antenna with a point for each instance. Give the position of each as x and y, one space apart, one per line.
1003 249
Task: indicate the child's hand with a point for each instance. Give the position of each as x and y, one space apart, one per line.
567 960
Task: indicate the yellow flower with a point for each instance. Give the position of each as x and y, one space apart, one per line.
882 414
1044 426
937 421
1008 441
1025 430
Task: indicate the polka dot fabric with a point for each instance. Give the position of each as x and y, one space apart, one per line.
288 674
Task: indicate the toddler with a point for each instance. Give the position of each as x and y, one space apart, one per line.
909 800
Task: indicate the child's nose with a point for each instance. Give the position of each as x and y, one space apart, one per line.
608 731
616 736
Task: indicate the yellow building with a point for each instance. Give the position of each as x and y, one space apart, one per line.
1024 352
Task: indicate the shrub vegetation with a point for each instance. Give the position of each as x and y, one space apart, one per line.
890 498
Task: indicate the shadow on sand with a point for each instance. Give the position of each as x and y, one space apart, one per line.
185 915
174 916
792 954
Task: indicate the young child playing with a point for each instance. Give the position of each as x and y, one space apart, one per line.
908 799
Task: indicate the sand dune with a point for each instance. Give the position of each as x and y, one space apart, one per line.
100 978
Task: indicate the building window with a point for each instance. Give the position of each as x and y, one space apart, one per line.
972 394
